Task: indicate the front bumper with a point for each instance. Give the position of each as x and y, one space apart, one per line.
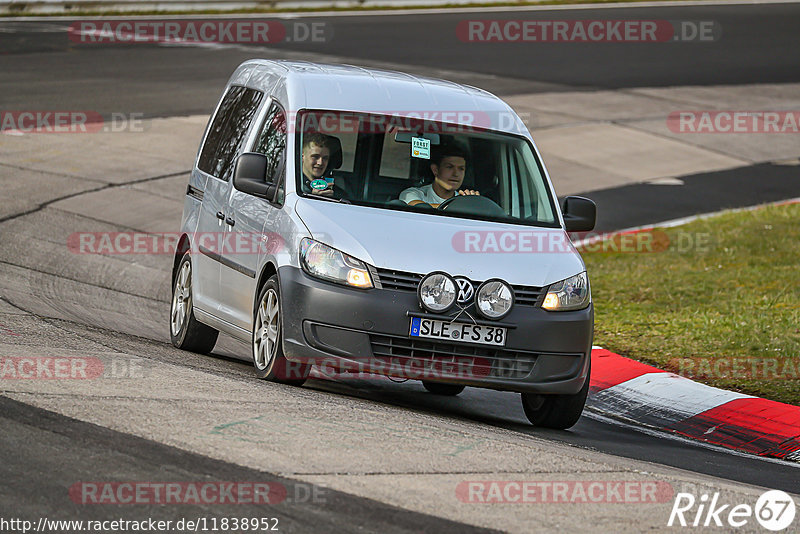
354 330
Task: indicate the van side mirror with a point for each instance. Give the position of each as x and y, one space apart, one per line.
250 176
580 214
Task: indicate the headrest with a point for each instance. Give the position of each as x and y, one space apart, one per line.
336 152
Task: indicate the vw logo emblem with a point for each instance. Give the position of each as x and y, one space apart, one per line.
465 290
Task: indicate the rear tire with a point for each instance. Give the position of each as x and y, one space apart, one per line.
555 411
267 340
438 388
185 331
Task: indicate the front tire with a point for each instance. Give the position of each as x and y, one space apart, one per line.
185 331
267 341
555 411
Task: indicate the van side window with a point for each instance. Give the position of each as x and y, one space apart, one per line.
272 141
227 131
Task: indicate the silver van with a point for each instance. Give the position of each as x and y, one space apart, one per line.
378 223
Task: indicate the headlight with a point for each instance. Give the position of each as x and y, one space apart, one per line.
328 263
495 299
437 292
570 294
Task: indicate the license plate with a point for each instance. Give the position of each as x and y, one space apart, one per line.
461 332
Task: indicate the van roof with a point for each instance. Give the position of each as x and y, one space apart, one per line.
351 88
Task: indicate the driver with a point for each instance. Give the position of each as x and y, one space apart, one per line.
448 165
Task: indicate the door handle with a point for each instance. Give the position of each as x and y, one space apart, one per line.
220 216
229 221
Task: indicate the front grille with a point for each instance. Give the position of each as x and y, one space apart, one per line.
399 280
404 281
434 359
528 295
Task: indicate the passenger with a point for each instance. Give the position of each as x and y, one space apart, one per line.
449 165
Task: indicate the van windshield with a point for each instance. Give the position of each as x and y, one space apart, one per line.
415 164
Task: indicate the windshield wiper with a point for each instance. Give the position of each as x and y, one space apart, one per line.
329 199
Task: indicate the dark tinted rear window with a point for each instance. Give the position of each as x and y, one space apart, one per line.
227 131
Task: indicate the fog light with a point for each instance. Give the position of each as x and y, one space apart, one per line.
437 292
495 299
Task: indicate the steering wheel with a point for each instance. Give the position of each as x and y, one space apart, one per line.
472 204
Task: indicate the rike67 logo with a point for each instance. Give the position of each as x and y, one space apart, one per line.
774 510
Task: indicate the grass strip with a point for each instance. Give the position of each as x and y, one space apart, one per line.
716 300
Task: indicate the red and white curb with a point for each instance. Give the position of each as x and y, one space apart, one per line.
625 389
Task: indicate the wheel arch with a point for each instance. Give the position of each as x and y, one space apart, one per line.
184 244
268 271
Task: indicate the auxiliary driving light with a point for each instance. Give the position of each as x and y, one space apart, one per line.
437 292
495 299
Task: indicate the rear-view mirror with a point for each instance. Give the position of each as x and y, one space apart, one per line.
249 176
580 214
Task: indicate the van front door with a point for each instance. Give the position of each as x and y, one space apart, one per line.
250 235
225 135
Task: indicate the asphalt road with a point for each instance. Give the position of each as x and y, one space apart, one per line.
643 204
503 409
45 70
55 449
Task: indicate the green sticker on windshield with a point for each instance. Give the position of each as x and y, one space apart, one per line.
319 183
420 148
